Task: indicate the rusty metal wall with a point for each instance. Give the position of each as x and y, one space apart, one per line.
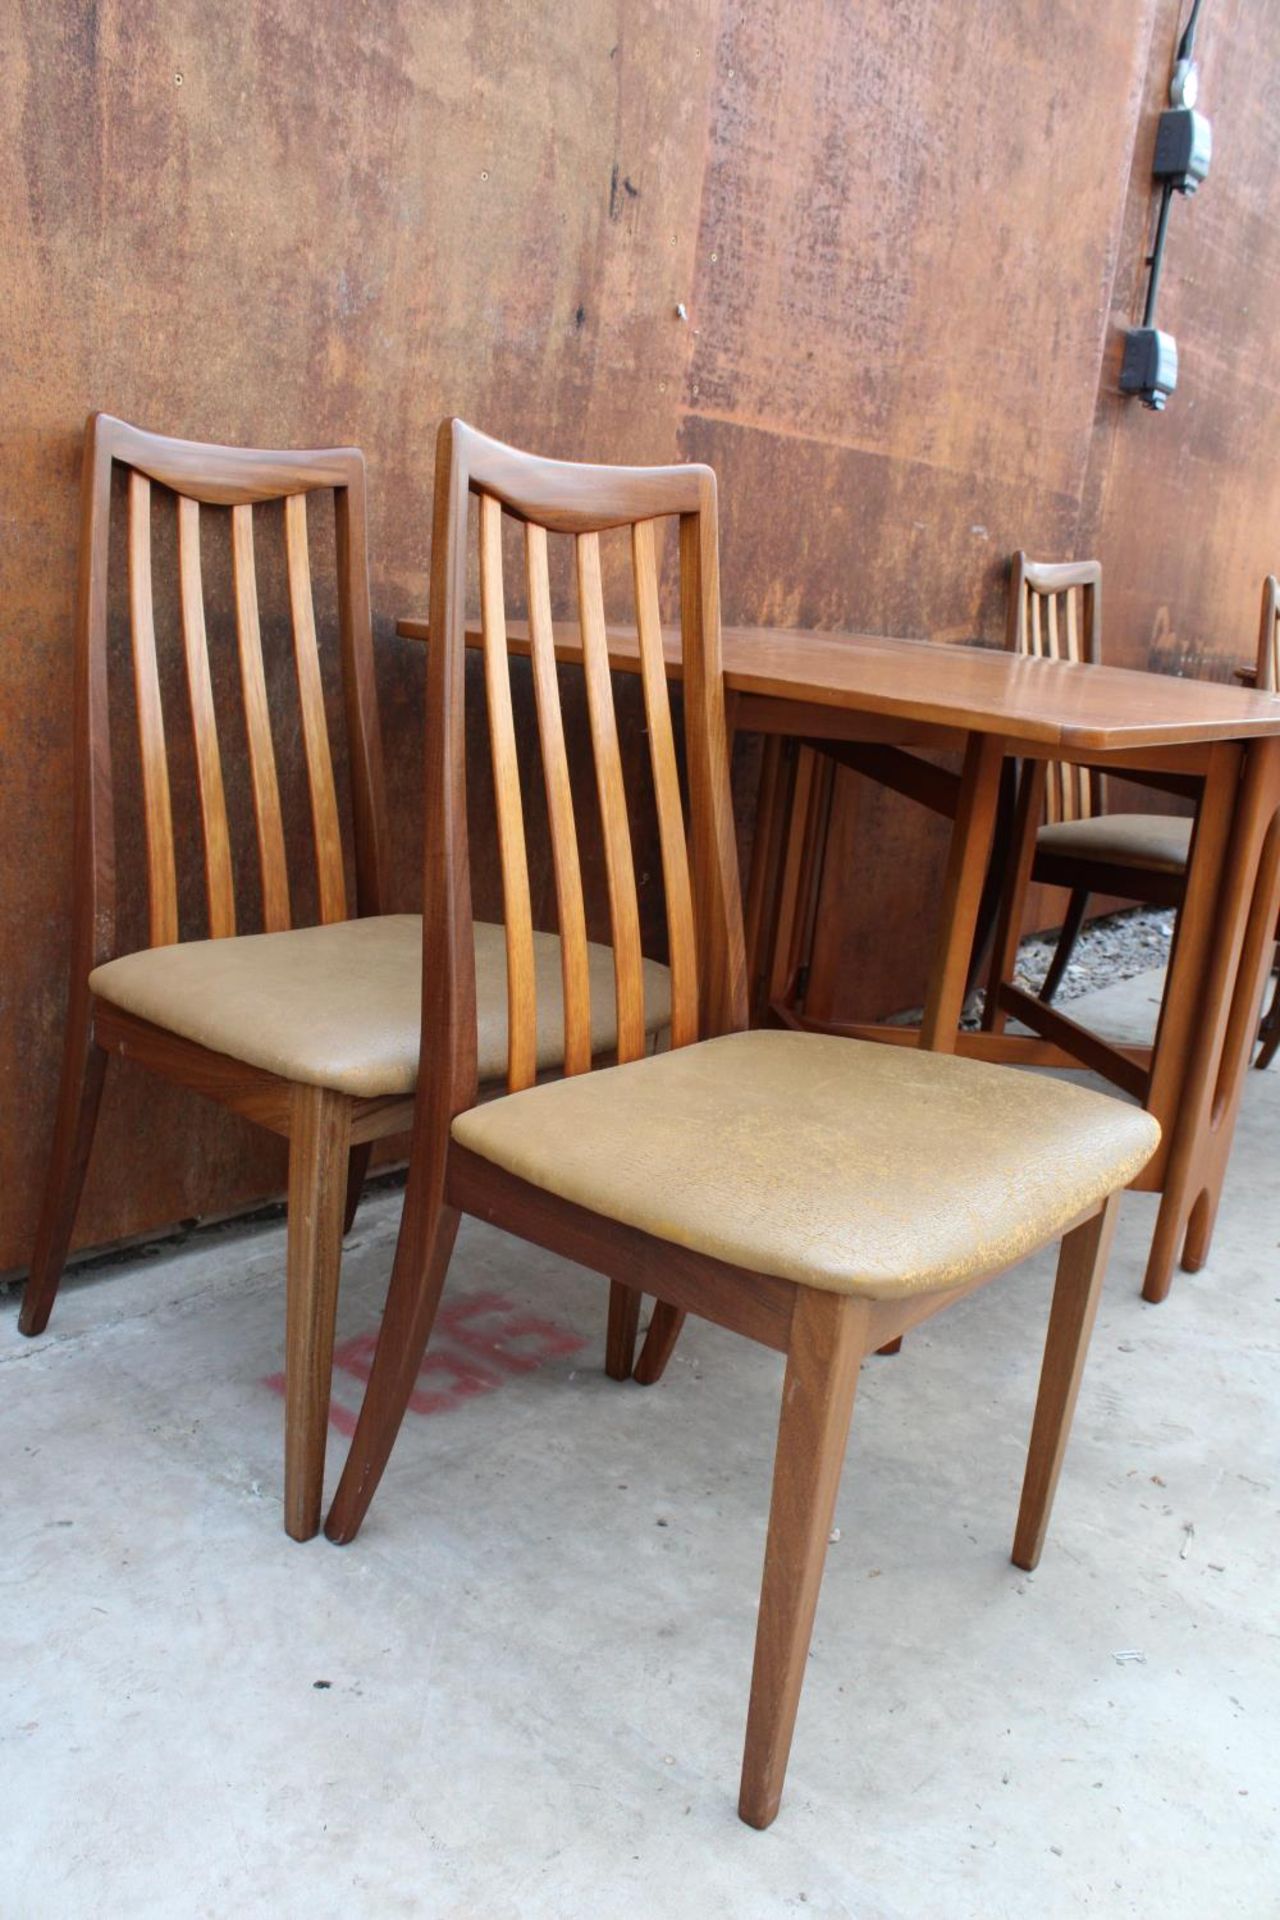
904 234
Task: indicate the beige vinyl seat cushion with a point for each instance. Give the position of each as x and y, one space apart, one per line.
844 1164
340 1006
1158 840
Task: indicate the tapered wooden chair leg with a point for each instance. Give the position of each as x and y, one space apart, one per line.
1082 1263
659 1343
357 1174
1269 1031
84 1068
828 1338
1077 907
318 1150
624 1324
427 1233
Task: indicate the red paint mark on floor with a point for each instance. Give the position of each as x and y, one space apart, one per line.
479 1340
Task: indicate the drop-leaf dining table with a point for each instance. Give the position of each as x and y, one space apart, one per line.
877 704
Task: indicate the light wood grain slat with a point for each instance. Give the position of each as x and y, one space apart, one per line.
162 884
262 760
522 1052
570 909
1072 598
1034 641
315 728
624 913
1062 644
666 781
218 879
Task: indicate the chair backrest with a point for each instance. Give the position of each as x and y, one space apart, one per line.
231 481
1269 637
549 498
1055 613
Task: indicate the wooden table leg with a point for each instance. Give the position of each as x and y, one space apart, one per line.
971 841
1013 901
801 877
1226 1022
765 876
993 887
1182 1009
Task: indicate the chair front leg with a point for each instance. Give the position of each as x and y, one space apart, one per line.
624 1324
829 1335
1082 1263
1269 1030
319 1141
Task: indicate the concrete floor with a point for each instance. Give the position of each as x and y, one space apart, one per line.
521 1692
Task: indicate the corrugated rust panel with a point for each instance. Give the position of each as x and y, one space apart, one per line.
909 229
303 225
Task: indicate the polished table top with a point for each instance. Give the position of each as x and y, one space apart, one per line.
980 689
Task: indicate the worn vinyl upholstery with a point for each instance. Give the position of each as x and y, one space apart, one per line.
844 1164
340 1006
1158 840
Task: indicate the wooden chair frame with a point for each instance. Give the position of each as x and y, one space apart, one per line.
1039 626
330 1135
824 1335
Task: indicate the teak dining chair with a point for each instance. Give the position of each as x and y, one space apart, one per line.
311 1031
818 1195
1063 837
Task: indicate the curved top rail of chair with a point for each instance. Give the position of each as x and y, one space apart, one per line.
219 476
569 497
1057 576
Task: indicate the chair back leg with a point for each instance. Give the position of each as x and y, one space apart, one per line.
428 1230
1077 907
84 1066
357 1174
829 1335
1082 1262
659 1343
319 1145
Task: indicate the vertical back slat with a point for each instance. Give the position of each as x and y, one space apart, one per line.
717 899
1034 642
1072 597
219 884
570 910
162 884
1084 795
666 782
624 912
315 729
262 759
522 1037
1067 777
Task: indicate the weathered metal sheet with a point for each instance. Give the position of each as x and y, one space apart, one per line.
903 236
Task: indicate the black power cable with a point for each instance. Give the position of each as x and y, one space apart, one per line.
1183 150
